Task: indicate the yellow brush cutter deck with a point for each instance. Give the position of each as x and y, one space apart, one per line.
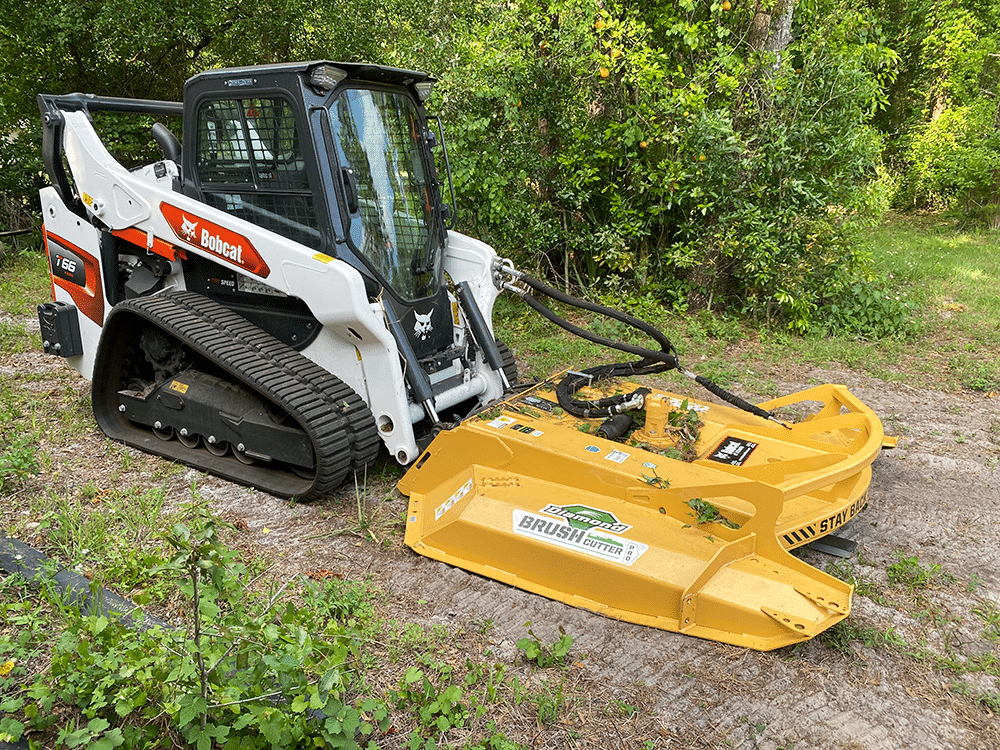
684 524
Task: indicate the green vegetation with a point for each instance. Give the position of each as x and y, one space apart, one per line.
614 146
706 512
24 279
543 655
846 633
944 143
908 572
700 156
945 277
18 460
251 670
256 662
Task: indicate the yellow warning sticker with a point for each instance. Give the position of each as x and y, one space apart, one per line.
179 387
826 525
323 258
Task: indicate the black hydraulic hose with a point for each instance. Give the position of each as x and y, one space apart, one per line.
667 353
667 357
732 398
652 361
605 407
69 586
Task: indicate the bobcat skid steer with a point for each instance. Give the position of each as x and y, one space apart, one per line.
283 295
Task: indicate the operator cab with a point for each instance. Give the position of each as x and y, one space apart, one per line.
337 157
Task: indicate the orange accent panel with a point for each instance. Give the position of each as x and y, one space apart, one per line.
45 244
89 298
214 239
138 237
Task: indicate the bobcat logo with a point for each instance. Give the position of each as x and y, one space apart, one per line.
188 228
423 325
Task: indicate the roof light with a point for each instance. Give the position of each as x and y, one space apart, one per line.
326 77
423 89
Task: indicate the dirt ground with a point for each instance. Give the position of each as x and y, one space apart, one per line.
936 498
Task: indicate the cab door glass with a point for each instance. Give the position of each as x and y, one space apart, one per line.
379 146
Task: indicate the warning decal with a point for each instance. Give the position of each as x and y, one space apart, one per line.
733 451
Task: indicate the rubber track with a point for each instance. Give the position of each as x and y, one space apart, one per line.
509 364
336 419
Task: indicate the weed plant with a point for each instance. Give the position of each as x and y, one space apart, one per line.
18 461
910 574
545 655
250 669
284 664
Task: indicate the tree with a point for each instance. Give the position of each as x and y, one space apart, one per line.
677 148
943 116
706 154
148 48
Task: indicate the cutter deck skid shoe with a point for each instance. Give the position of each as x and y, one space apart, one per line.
524 496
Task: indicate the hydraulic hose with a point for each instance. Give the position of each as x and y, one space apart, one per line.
667 355
730 398
652 360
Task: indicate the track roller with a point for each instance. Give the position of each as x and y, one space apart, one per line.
240 403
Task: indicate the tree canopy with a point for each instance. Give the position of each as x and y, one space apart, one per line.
693 153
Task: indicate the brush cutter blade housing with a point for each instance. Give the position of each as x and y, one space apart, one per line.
528 495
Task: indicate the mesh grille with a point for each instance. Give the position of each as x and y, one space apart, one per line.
252 144
291 216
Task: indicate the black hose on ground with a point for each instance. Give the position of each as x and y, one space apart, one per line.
70 587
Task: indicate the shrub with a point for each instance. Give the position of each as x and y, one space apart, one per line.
593 142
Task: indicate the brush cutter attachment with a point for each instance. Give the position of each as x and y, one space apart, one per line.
683 523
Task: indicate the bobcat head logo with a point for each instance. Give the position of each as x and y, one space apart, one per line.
188 228
423 325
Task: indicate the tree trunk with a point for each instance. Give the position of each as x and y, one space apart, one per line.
771 28
770 33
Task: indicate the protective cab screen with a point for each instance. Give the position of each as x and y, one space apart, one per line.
250 164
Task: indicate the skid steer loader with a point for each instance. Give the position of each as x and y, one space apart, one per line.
282 296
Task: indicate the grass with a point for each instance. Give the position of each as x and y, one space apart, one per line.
948 267
956 276
928 625
24 281
15 338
